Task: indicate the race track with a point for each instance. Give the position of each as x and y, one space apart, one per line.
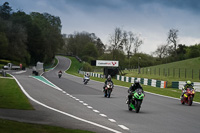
157 115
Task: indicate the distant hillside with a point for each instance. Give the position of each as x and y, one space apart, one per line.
177 71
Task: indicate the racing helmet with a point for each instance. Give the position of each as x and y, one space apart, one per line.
136 81
188 82
109 78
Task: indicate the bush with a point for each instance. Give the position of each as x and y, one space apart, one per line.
87 67
87 58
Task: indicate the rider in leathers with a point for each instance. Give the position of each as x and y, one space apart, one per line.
132 88
187 85
108 80
86 75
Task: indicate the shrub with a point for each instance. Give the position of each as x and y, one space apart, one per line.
87 67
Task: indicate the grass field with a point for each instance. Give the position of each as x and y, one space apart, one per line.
75 66
7 126
175 71
11 96
162 91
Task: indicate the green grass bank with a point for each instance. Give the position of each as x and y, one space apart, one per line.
11 96
7 126
176 71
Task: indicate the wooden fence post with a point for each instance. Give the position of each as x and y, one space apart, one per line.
192 73
185 73
199 74
168 72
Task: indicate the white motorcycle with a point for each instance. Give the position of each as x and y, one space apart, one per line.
86 80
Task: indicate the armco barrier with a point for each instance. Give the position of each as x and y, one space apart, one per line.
92 74
151 82
180 84
144 81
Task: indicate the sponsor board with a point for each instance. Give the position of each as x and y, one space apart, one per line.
107 63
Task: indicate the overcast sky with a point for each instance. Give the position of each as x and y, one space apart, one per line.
152 19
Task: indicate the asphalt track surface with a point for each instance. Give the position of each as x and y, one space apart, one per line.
157 115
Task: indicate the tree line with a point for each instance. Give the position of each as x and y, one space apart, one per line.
124 46
29 38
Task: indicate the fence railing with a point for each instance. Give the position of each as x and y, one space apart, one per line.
171 72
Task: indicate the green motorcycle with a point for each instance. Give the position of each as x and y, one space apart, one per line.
136 101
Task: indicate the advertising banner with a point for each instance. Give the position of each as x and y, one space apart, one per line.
106 63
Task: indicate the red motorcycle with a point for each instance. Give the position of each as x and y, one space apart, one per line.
188 96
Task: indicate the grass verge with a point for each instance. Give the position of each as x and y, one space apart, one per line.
75 65
8 126
11 96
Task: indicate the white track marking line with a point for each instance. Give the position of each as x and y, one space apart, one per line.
81 101
6 77
111 120
89 107
19 72
77 99
103 115
85 104
123 127
64 113
52 84
96 111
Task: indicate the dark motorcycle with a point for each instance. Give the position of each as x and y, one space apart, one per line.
59 75
136 100
108 89
188 96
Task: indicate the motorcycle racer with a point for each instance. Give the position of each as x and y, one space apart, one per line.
107 80
59 73
86 76
187 85
132 88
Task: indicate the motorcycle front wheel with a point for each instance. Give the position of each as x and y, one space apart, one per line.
190 101
105 93
182 100
109 93
137 106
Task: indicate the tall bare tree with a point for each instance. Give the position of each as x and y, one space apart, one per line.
137 43
129 42
116 40
161 51
173 38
